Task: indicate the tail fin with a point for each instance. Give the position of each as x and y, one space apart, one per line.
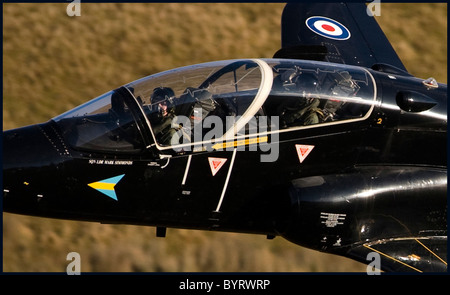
335 32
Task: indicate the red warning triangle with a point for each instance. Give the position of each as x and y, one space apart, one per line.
303 151
216 164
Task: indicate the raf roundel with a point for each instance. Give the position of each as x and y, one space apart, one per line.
328 28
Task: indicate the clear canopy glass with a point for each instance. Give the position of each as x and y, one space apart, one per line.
219 101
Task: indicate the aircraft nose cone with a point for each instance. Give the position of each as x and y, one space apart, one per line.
30 158
31 146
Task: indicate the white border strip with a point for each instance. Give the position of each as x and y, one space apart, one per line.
188 164
226 181
264 90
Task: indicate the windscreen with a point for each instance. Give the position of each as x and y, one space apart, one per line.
104 124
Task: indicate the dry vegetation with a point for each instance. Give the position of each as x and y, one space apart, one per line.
52 62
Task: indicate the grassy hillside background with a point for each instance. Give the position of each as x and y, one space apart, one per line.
52 62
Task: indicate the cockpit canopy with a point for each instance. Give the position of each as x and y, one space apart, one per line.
219 101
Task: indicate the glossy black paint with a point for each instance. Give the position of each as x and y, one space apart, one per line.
341 213
367 184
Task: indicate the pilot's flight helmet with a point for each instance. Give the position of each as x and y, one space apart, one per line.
307 83
345 85
161 94
161 100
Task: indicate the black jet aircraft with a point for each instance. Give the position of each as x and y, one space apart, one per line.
331 144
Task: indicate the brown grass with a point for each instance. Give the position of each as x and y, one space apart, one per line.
53 62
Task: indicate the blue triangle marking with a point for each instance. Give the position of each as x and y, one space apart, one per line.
111 194
112 180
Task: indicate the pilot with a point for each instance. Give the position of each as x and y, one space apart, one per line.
162 114
196 104
304 109
343 86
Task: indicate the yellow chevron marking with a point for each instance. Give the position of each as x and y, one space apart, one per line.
102 185
241 142
442 260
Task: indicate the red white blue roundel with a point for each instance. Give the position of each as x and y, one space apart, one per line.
328 28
